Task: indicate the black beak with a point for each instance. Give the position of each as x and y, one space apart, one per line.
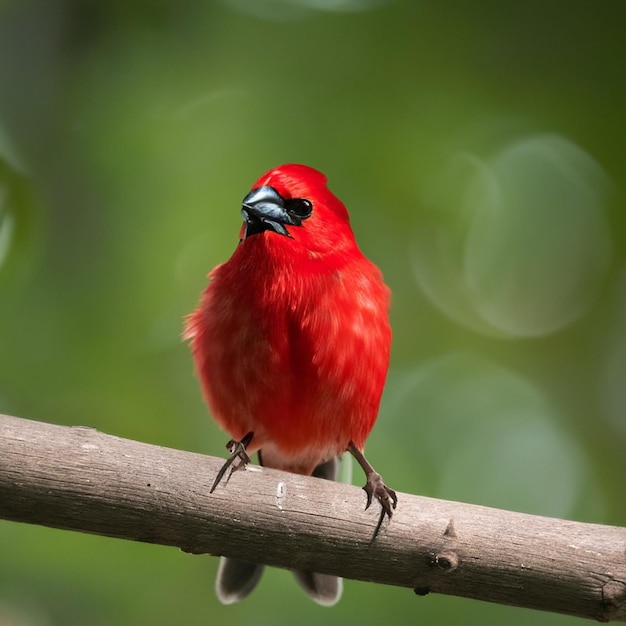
264 209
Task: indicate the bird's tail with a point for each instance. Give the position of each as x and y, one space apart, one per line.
236 579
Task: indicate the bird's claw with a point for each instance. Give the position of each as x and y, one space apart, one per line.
386 496
238 450
238 458
374 486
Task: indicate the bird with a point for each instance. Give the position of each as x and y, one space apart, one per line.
291 342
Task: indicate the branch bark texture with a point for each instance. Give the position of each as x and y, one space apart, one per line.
76 478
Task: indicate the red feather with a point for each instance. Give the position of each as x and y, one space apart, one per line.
291 339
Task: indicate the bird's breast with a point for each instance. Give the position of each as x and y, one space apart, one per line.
300 360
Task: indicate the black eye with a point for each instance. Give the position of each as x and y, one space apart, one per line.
299 208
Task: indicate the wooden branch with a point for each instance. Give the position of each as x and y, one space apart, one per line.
76 478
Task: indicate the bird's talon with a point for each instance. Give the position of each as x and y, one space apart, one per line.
369 497
374 486
386 496
238 458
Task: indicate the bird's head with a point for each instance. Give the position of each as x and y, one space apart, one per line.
293 202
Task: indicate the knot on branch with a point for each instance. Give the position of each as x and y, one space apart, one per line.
613 597
447 561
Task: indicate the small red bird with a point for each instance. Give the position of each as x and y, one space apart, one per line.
291 344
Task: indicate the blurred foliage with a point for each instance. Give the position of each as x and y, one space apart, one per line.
480 149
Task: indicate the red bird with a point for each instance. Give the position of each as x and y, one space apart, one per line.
291 344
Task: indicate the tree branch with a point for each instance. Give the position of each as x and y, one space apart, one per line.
76 478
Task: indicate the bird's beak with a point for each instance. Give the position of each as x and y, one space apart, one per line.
264 209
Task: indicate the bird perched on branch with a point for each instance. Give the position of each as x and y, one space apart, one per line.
291 344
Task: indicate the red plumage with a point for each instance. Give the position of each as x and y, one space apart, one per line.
291 338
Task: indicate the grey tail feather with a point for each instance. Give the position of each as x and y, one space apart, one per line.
327 470
322 588
236 579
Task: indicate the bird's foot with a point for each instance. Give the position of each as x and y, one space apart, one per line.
238 458
375 488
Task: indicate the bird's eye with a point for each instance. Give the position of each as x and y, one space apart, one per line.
299 208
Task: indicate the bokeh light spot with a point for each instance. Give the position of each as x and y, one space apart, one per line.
612 387
289 10
485 434
7 226
526 247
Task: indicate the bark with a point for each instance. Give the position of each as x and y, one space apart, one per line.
76 478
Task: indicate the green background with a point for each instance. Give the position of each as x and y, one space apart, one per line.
480 148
